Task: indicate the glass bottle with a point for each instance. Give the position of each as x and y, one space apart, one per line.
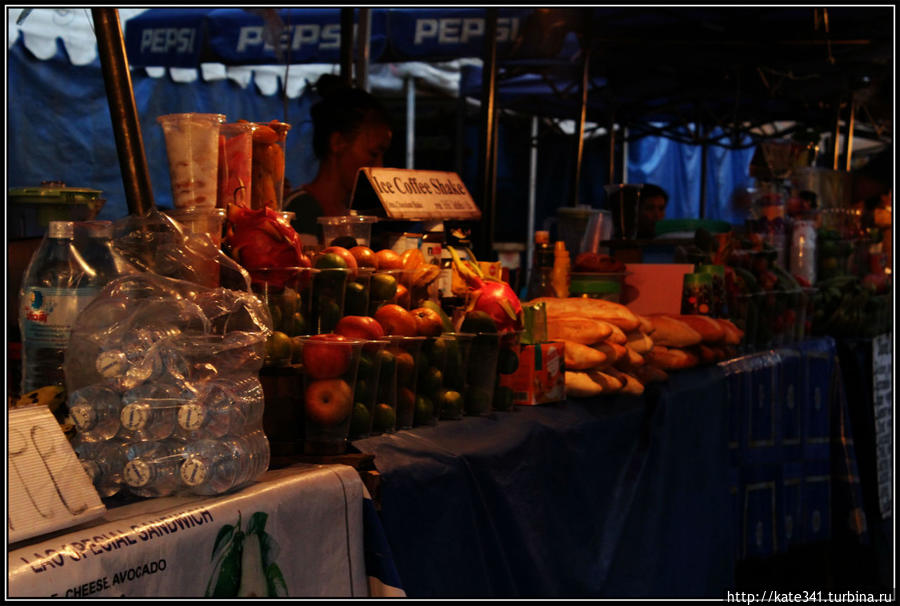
540 283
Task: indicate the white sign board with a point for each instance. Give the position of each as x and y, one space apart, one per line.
48 488
419 194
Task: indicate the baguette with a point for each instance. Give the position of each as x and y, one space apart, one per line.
648 373
580 385
733 334
671 358
608 311
586 331
631 360
630 384
614 352
710 329
617 335
646 326
639 341
582 357
609 383
671 332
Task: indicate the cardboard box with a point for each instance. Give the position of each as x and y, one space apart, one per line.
540 377
654 288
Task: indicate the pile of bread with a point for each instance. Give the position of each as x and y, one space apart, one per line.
610 349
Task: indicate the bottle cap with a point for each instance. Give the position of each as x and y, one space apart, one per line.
542 237
61 229
560 246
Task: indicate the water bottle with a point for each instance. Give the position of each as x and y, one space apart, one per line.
223 406
95 409
540 283
104 463
214 466
58 283
260 455
149 410
152 468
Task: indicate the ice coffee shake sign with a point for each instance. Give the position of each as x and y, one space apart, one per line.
421 194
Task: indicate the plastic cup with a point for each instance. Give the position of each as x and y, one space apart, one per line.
356 226
235 164
327 307
192 146
451 403
482 373
267 187
329 381
287 294
407 362
365 393
430 383
201 220
356 293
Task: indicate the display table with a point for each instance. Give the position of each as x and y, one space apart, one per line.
313 523
621 497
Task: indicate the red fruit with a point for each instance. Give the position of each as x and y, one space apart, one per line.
327 356
359 327
428 322
396 320
328 402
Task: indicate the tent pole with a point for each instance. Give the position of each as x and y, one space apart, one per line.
848 149
347 46
836 140
488 131
579 132
363 34
123 111
625 156
410 85
612 146
532 197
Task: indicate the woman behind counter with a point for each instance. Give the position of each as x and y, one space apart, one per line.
351 129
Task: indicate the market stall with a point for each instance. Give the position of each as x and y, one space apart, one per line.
625 427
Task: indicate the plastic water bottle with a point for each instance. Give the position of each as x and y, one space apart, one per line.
149 410
260 455
213 466
104 463
223 406
152 468
58 283
95 409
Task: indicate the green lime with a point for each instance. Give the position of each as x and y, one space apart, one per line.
359 423
290 301
329 315
383 287
451 404
478 401
478 321
356 299
279 349
508 361
503 398
384 418
276 315
330 261
366 368
431 382
363 390
424 414
387 364
435 351
298 325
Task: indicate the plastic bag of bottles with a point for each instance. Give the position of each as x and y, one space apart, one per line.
162 369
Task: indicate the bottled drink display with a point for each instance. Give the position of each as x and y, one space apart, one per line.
540 283
104 462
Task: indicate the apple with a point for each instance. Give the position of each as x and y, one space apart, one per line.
328 402
388 259
365 257
395 320
327 356
359 327
428 322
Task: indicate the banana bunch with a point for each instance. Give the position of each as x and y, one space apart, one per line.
54 397
417 273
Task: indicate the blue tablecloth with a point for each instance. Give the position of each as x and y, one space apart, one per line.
624 497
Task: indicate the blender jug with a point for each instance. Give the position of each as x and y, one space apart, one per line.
572 225
623 200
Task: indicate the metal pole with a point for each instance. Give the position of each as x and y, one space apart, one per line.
532 197
836 142
488 131
579 132
362 43
612 146
347 46
849 143
625 156
123 111
410 85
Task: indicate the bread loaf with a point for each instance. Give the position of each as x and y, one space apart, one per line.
580 385
709 328
670 332
608 311
609 383
586 331
630 384
648 373
582 357
671 358
639 341
733 334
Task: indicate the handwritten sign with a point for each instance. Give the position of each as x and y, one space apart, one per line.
48 488
419 194
883 397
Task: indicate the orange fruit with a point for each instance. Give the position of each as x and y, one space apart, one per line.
388 259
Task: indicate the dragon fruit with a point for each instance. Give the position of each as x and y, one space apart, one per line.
260 239
494 297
